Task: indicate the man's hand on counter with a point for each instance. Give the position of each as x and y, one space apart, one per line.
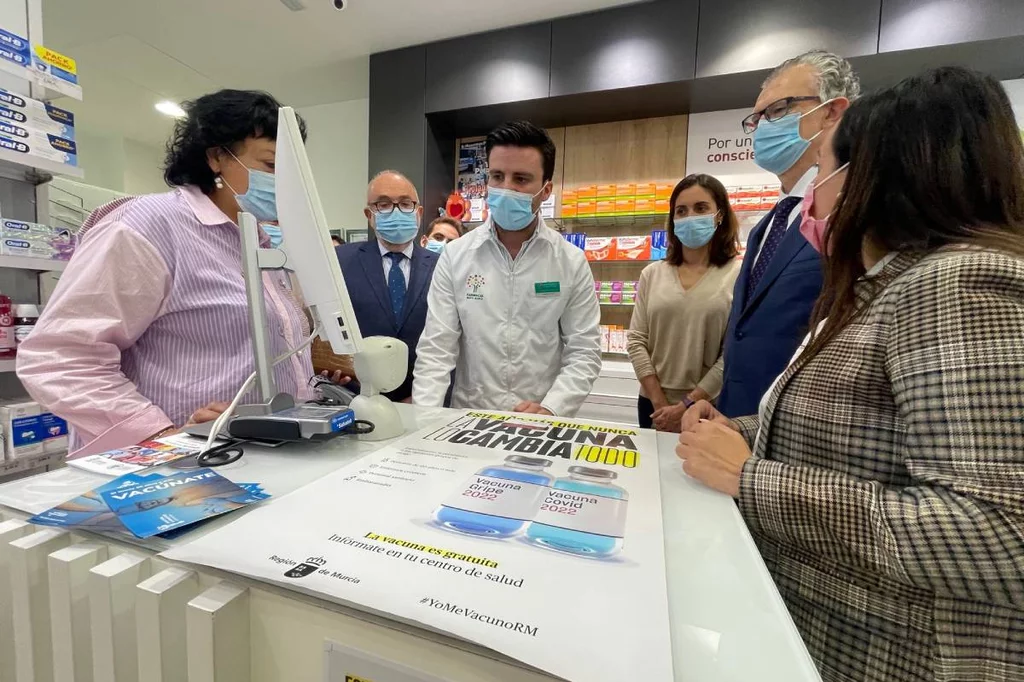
532 408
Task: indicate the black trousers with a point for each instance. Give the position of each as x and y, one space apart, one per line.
644 410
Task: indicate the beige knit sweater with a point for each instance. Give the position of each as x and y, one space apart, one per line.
678 334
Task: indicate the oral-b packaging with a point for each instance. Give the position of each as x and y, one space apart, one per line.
33 114
54 148
29 248
25 230
15 49
58 71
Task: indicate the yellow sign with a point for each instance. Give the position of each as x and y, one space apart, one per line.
56 59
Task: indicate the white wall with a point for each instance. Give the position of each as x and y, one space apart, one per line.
338 149
120 164
143 168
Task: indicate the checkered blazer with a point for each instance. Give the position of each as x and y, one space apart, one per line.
887 491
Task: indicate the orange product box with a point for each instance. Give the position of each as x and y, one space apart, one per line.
606 191
625 190
605 206
747 204
569 210
771 192
600 248
625 206
748 191
586 192
586 208
663 190
646 189
642 206
661 206
633 248
568 196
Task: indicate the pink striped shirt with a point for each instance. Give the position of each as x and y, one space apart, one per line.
149 323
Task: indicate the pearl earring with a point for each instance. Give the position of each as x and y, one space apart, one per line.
218 182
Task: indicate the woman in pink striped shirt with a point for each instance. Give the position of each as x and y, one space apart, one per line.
148 328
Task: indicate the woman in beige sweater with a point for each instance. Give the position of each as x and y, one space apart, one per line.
682 305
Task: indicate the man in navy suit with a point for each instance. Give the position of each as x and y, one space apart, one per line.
781 275
388 277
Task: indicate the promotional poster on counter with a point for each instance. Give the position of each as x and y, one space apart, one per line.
538 537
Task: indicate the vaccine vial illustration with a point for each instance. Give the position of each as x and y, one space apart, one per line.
497 501
583 514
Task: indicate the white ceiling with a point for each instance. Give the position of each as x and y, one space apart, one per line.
134 53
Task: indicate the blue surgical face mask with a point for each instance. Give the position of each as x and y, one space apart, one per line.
510 210
274 232
435 246
695 231
261 197
778 145
396 227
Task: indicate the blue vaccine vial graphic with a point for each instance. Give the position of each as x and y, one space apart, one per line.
582 514
497 501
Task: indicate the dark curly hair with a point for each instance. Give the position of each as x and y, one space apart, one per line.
220 119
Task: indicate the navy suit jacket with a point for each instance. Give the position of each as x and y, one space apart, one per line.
765 331
363 269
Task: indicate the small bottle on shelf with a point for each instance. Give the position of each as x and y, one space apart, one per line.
7 341
25 317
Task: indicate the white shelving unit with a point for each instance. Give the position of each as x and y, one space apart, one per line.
36 264
24 464
50 87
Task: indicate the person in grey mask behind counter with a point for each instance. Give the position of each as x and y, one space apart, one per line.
512 307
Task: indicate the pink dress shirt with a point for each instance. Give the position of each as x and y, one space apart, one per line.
149 323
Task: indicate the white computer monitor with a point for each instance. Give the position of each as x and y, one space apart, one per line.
306 241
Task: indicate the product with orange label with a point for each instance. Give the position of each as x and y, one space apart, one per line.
605 191
663 190
646 190
642 206
569 210
625 190
586 208
625 206
600 248
605 206
661 206
633 248
586 192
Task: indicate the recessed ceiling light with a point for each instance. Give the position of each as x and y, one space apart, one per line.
169 108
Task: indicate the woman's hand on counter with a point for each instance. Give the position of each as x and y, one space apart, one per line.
714 454
669 417
529 407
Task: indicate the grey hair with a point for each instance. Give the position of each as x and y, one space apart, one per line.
835 75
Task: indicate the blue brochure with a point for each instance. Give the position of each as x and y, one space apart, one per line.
156 506
89 511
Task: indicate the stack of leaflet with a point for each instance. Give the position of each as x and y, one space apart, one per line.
151 504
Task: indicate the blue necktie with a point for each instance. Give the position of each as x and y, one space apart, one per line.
396 284
780 223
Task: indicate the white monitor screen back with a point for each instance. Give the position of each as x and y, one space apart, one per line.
307 241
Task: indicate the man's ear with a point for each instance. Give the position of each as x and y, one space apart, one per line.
835 111
546 192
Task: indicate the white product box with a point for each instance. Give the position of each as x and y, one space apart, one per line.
56 149
32 113
23 230
28 431
31 248
34 137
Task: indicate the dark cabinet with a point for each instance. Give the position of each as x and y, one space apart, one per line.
643 44
909 24
748 35
397 127
510 65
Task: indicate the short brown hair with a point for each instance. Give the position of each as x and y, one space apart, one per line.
448 220
723 244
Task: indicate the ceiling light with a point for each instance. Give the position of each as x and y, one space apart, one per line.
169 108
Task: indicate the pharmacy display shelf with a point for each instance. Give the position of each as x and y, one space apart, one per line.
23 464
34 163
28 263
52 87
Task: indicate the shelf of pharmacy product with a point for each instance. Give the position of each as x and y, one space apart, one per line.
53 87
620 305
23 464
34 163
569 224
37 264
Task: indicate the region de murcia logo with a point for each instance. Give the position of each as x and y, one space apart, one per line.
308 567
474 283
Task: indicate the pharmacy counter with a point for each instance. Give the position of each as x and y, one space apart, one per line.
82 603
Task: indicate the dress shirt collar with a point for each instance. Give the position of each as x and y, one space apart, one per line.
205 210
800 188
384 251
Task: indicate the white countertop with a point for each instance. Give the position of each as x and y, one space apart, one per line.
728 621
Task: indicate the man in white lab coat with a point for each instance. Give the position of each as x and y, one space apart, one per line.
512 307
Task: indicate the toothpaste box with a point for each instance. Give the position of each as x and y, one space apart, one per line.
15 49
31 113
23 230
54 148
28 431
633 248
30 248
600 248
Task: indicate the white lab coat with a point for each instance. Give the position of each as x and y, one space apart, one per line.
513 330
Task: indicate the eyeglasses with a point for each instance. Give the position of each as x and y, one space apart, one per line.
774 111
386 206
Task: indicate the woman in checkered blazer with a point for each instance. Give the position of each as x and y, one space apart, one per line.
883 479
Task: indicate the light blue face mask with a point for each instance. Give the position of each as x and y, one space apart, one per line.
510 210
435 246
695 231
778 145
396 227
261 197
274 232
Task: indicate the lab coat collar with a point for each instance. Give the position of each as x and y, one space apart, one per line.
486 232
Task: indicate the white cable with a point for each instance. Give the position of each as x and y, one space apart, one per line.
219 422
